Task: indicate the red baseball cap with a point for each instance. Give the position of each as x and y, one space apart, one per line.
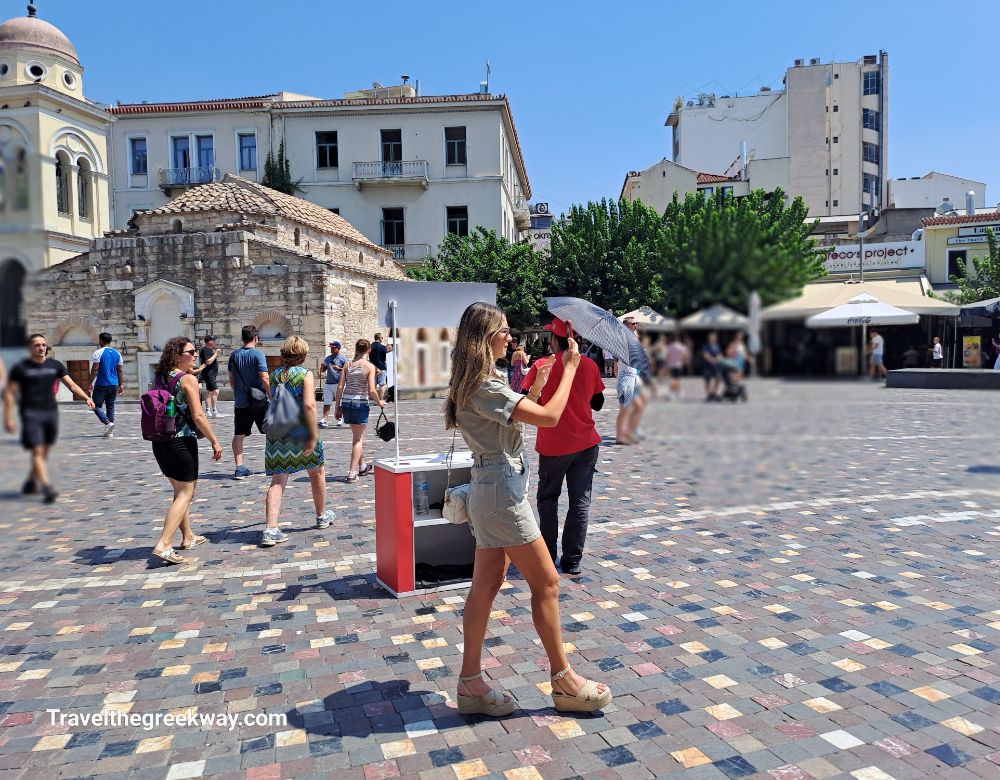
558 327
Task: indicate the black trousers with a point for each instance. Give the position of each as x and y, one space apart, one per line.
577 469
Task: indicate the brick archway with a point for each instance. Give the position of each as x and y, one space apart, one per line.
279 322
69 324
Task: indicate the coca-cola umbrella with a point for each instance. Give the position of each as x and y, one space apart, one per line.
863 310
602 328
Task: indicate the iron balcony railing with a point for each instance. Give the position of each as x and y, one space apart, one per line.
179 177
381 169
409 253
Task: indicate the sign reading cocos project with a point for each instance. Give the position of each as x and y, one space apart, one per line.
845 258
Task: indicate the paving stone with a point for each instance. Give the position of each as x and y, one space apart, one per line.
771 589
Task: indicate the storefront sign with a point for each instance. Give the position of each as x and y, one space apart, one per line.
845 259
978 230
540 240
977 239
972 353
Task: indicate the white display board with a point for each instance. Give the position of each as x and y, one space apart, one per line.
430 304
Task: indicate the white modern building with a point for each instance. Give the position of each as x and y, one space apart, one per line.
404 168
932 189
824 135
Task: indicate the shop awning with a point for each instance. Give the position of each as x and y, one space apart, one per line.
822 296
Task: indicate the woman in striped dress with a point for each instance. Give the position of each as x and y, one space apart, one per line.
300 449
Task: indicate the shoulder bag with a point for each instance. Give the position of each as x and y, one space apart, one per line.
455 508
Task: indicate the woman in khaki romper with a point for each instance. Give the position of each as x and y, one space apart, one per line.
491 418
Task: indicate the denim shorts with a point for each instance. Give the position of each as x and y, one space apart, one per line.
499 511
381 377
354 412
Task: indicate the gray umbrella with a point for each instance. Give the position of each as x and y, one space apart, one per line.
602 328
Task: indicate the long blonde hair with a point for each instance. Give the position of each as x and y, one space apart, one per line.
472 361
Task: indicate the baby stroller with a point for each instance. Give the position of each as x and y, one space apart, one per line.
732 378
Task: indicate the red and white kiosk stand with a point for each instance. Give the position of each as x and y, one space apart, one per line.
404 539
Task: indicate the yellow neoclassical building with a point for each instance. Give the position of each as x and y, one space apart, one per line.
53 161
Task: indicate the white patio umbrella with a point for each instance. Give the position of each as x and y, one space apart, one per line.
717 317
863 310
647 319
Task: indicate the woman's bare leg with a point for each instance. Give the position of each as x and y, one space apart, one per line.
535 565
183 493
272 504
487 577
317 481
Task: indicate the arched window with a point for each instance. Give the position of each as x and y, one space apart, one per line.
21 181
298 236
177 226
422 334
445 336
83 188
62 183
326 249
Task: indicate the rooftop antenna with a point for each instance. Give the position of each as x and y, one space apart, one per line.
405 77
487 77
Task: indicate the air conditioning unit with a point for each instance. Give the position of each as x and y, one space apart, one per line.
799 63
814 61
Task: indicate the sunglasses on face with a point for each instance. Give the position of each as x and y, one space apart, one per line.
189 352
503 331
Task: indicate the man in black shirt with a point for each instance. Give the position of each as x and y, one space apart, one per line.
208 372
377 355
36 378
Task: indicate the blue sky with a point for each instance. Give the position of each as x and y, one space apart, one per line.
590 83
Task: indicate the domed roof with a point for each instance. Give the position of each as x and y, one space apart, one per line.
30 32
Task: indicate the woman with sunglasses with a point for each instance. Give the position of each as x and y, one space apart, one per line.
178 457
491 417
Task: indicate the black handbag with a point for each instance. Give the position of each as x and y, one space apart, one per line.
386 431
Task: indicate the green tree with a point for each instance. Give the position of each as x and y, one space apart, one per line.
278 173
610 254
719 249
517 270
986 281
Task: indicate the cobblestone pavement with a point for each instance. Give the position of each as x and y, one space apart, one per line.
802 586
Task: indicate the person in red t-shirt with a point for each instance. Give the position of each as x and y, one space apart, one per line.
567 451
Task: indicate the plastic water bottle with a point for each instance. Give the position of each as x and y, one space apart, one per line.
421 495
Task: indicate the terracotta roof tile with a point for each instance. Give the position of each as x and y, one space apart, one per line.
961 219
246 197
713 178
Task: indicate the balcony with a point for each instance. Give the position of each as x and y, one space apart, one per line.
179 178
383 172
409 254
522 218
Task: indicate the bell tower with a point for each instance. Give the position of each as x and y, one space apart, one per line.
54 190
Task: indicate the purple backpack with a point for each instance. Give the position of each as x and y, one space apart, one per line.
157 425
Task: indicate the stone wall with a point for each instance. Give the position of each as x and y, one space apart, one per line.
228 279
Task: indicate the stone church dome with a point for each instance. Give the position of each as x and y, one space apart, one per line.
30 32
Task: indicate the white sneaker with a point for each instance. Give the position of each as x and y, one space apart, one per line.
109 430
322 424
324 520
340 423
217 413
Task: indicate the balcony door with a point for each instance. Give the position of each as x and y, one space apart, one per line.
392 152
393 232
181 152
206 157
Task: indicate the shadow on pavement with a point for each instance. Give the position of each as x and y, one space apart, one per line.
983 469
371 707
